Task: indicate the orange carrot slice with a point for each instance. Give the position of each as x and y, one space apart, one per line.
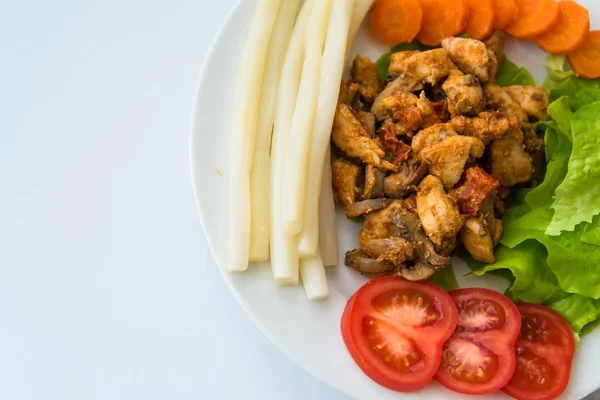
507 12
570 31
396 21
441 18
480 23
536 17
585 61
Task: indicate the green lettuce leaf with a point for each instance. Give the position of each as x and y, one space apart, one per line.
591 232
562 81
577 198
534 282
511 74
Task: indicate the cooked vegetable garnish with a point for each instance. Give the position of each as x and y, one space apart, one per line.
507 12
570 31
442 18
261 163
586 59
244 130
482 15
396 21
536 17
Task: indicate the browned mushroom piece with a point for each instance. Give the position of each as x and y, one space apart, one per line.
358 260
366 206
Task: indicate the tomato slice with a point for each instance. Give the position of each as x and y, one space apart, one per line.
545 352
480 357
394 330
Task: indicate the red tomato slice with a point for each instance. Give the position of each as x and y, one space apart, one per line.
394 330
480 357
544 355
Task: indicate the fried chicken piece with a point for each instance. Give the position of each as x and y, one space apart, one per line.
496 43
477 240
396 60
405 181
404 83
465 96
499 100
348 93
447 159
370 182
470 55
366 265
402 108
497 232
350 137
432 135
365 74
367 120
534 100
472 190
432 112
426 66
438 212
486 127
494 66
509 163
345 178
381 239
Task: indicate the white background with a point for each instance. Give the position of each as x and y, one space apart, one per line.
107 287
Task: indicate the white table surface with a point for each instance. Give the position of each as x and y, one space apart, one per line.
107 288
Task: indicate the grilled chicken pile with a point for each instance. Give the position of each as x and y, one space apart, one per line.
429 159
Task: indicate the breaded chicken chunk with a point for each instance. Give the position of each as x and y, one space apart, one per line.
465 96
470 55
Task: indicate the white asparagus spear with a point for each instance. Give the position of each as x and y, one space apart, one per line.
313 277
243 130
327 224
333 67
261 163
294 186
361 8
284 248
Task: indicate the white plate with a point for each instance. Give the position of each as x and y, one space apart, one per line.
308 332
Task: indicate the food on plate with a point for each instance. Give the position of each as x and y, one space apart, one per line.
396 21
442 18
243 131
584 59
482 16
544 355
446 141
395 329
536 17
507 12
479 358
570 31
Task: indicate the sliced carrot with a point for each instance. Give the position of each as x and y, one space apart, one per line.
396 21
442 18
585 61
536 17
480 23
507 12
570 31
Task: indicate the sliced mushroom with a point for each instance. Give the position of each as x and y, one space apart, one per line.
366 206
405 181
358 260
